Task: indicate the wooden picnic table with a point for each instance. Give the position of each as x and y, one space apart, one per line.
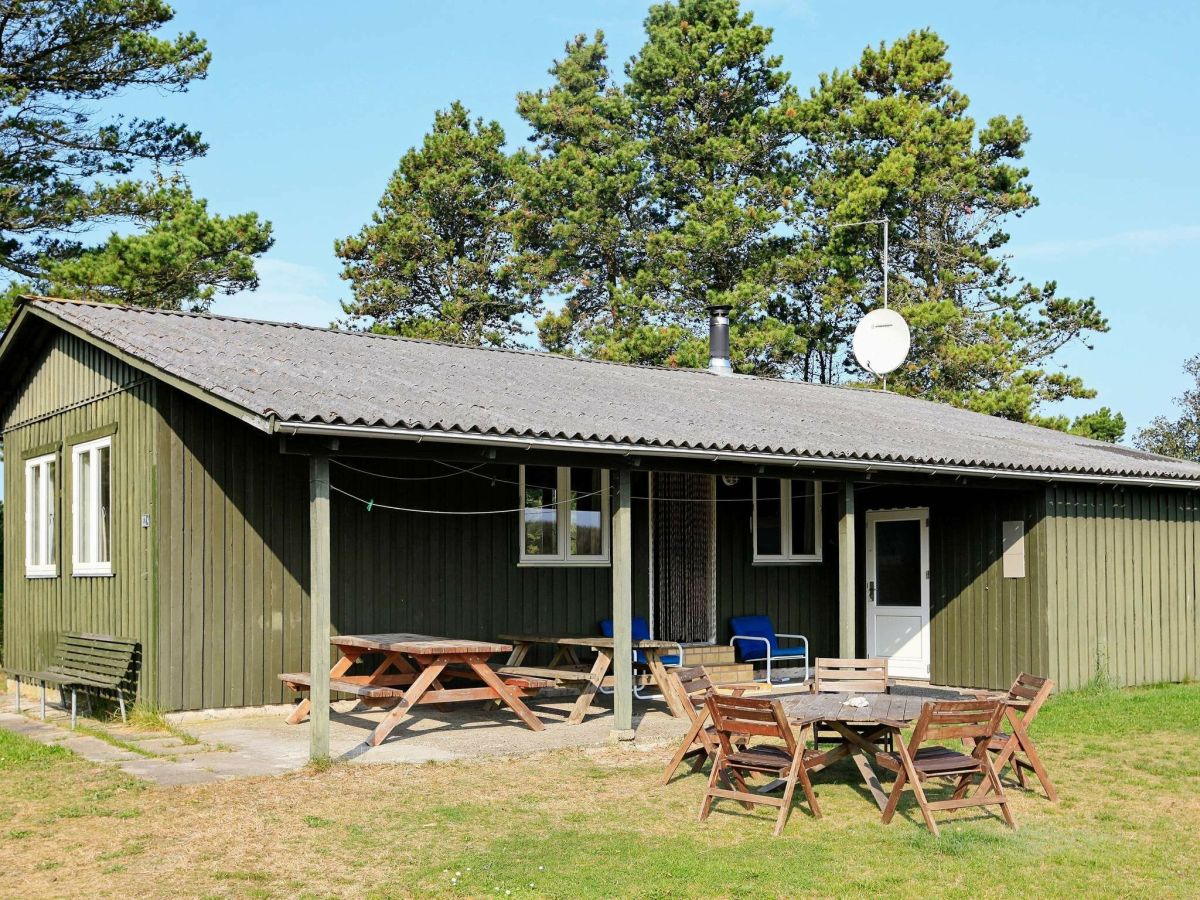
566 668
414 670
883 713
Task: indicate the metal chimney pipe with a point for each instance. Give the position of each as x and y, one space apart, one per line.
718 340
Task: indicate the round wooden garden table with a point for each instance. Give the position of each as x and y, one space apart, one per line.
861 727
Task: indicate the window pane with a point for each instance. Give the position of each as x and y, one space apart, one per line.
898 563
768 505
49 551
541 514
586 512
804 518
83 521
102 532
37 505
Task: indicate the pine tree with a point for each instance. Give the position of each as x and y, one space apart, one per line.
1177 437
584 217
891 138
65 168
717 113
436 260
650 201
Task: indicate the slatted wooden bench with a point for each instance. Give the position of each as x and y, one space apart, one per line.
564 675
376 694
302 681
97 662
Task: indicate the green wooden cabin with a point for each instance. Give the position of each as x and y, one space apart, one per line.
162 471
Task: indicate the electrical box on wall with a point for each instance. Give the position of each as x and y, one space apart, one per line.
1014 549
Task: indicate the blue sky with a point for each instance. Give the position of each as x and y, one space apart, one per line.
309 106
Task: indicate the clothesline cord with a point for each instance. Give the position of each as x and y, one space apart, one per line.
371 504
494 479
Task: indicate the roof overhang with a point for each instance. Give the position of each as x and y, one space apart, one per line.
860 466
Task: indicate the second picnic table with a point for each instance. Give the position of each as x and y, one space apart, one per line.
566 668
413 671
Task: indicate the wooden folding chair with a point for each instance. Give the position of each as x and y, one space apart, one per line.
853 676
738 718
914 764
692 686
1026 697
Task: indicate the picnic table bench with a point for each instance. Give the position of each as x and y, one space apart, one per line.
98 662
414 670
567 670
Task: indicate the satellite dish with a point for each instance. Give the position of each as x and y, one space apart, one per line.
881 341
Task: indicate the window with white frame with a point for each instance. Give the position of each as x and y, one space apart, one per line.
787 520
91 507
564 516
41 501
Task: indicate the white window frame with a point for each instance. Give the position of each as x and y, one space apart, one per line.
49 506
563 508
80 567
785 526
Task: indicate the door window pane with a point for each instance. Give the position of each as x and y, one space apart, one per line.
804 518
541 513
898 563
587 508
769 509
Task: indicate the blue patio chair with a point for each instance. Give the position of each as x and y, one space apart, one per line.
641 632
755 640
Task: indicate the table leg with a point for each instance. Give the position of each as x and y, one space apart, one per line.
349 655
859 747
510 699
520 650
595 679
665 683
411 698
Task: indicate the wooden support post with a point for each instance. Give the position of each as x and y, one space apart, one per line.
318 598
847 574
622 608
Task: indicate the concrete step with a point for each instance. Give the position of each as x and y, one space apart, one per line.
708 655
730 673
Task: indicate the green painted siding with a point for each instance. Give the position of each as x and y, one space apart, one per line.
800 598
73 389
984 629
233 550
1123 571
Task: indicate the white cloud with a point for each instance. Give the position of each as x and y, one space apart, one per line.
287 292
1143 240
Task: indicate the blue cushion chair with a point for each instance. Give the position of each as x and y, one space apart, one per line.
755 640
640 629
641 632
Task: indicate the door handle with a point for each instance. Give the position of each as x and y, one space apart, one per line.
871 590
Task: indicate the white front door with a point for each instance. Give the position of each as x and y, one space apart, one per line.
898 590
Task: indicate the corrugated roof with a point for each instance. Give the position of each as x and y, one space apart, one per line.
311 375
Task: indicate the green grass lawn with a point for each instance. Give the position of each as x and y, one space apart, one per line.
572 824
